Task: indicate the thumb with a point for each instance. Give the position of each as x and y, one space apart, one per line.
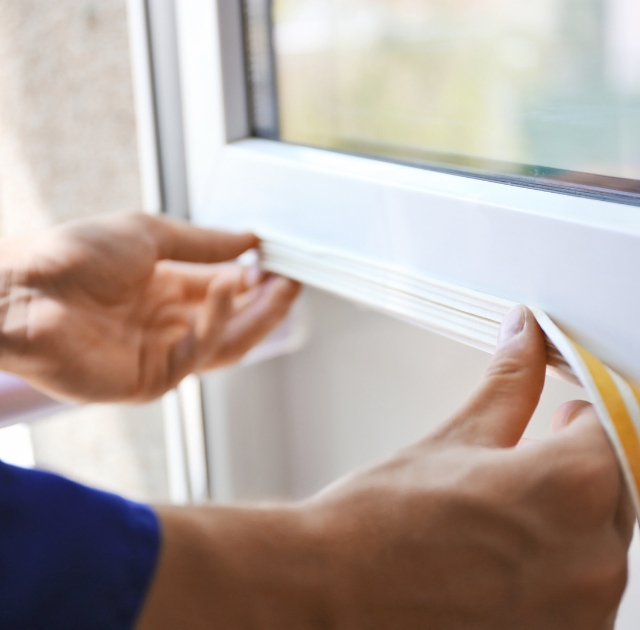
500 408
178 240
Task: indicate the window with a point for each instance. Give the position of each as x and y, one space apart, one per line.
538 94
568 254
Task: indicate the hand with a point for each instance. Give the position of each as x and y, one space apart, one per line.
123 307
460 531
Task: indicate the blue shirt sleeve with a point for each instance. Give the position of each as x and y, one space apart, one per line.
71 557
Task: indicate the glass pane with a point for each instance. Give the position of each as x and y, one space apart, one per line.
547 89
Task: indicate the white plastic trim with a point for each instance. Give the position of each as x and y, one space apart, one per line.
140 53
572 258
190 394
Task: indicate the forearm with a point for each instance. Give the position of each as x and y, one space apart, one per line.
235 567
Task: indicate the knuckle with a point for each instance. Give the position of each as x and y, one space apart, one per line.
590 486
507 376
605 583
505 368
595 470
576 490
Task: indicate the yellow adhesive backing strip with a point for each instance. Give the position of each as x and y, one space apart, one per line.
617 409
616 402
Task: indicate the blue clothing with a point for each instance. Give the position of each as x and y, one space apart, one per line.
71 557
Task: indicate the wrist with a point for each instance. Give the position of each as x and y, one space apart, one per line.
240 567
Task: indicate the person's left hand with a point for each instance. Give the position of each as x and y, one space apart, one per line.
123 307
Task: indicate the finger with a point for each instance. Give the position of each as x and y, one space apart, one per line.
566 413
195 278
244 299
580 409
562 418
220 298
257 319
217 312
499 410
581 459
178 240
206 331
582 431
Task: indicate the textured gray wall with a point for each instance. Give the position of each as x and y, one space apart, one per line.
68 149
66 111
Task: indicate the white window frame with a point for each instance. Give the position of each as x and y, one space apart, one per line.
572 257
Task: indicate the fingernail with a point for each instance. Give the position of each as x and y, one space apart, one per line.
567 413
512 325
252 276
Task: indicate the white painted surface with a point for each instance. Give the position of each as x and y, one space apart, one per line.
190 393
137 19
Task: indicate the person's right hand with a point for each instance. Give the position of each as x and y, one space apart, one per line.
461 531
464 531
